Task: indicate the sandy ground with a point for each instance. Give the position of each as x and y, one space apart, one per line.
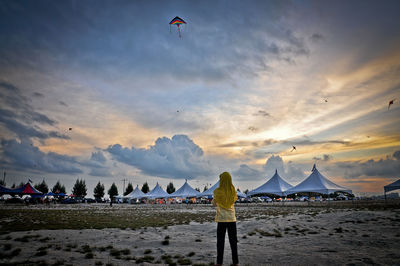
308 237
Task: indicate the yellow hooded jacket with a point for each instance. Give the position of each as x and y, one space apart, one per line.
224 199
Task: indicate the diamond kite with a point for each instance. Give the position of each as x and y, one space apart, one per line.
177 21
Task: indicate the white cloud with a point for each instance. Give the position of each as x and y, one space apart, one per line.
178 157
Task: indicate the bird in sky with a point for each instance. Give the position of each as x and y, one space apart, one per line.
294 148
70 129
326 100
390 103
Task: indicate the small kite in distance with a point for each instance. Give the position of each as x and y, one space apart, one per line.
70 129
390 103
294 148
177 21
326 100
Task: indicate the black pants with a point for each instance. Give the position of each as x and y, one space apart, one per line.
221 229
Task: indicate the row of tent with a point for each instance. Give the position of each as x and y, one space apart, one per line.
316 182
27 189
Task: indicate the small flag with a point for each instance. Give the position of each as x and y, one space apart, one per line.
30 181
313 168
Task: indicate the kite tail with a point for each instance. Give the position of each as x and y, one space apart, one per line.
179 30
170 28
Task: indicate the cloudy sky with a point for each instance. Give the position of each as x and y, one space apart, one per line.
246 81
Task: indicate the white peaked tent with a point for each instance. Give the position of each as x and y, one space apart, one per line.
185 191
157 193
135 194
393 186
318 183
275 185
209 192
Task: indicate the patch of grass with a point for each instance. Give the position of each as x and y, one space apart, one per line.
165 242
7 246
252 233
276 233
72 245
98 263
191 254
338 230
43 248
166 237
184 261
44 239
130 258
12 254
115 252
102 249
125 251
146 258
85 249
109 247
147 251
89 255
177 256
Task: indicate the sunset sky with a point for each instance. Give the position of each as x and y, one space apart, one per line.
246 81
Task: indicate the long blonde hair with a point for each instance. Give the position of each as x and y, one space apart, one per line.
225 195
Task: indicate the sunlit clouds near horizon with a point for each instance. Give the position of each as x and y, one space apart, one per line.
106 91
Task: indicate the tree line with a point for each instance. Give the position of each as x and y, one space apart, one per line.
80 190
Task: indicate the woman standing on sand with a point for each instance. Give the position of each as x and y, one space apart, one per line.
224 199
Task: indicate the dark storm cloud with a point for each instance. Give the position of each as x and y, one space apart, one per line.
24 156
63 103
123 36
324 158
98 157
246 143
396 155
385 168
38 94
19 116
178 157
268 142
316 37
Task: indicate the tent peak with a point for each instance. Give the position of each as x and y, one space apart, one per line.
314 168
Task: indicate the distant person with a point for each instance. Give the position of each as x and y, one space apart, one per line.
224 199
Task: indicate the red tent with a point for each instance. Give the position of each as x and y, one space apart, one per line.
27 189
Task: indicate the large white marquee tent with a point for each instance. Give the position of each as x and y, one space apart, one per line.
185 191
209 192
317 183
275 185
157 193
135 194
